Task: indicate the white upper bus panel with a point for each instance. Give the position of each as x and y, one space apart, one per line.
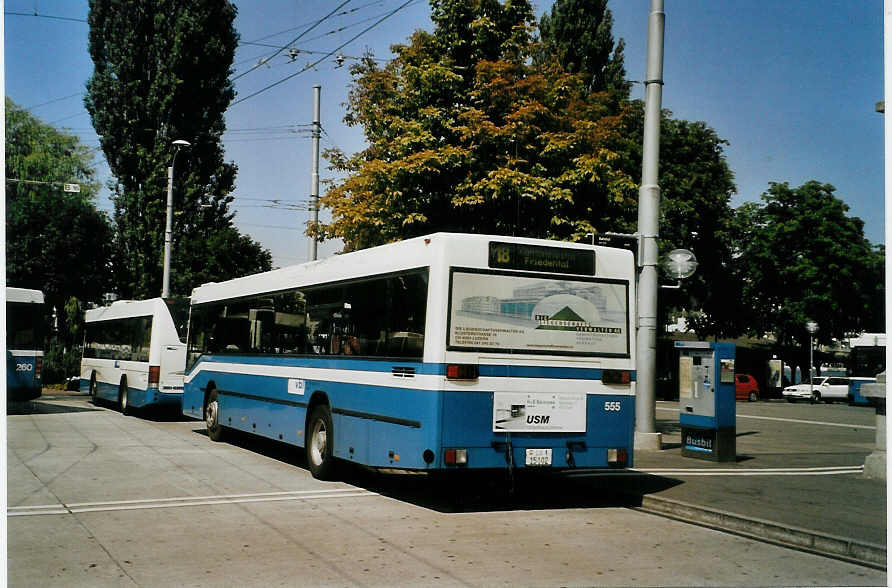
24 295
438 249
126 309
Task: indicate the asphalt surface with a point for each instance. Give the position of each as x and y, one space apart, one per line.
797 479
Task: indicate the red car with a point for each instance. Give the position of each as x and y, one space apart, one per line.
746 388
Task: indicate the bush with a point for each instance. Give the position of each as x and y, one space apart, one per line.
59 364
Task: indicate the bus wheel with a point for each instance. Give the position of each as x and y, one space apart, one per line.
212 417
320 440
122 397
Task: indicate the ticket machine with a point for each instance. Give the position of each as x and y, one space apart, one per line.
706 400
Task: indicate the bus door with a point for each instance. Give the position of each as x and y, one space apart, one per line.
173 365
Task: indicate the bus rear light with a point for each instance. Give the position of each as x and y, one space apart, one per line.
38 365
617 457
154 376
616 377
462 371
453 457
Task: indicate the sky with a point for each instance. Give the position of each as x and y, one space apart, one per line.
792 86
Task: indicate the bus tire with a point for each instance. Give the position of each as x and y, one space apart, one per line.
122 397
212 417
320 437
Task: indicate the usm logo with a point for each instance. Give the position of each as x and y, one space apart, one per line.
538 419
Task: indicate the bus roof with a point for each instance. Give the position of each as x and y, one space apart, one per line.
125 309
24 295
399 256
868 340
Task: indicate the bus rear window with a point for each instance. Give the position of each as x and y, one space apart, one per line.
24 325
526 313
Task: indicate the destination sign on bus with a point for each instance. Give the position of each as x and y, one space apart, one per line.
541 259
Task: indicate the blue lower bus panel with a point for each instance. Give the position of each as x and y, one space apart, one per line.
136 397
23 378
405 428
855 396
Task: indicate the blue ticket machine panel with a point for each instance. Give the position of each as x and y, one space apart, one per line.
706 400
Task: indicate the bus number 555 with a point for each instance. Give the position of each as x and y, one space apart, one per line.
612 406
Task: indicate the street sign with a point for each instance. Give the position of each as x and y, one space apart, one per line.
71 187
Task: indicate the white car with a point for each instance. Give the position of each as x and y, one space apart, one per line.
826 388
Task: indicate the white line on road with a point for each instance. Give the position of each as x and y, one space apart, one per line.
799 421
56 509
685 472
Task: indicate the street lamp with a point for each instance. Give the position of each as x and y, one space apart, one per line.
812 328
165 282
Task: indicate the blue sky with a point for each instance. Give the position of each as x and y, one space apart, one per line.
791 85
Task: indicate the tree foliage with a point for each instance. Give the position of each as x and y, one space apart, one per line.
579 35
56 241
161 73
466 135
696 186
803 258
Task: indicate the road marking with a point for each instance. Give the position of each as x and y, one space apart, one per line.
799 421
686 472
82 507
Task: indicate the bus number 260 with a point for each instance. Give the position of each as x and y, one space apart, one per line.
612 406
24 367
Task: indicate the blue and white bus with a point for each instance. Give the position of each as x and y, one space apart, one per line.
867 358
444 352
24 343
135 353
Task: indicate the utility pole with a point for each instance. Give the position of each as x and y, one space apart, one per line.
646 436
314 181
168 229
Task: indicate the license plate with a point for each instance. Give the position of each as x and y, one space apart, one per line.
538 457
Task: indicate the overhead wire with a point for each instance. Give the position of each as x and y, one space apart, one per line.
54 100
318 22
329 54
35 14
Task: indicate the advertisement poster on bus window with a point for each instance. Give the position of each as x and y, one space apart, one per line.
529 314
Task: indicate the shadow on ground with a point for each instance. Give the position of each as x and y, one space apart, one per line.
42 406
481 491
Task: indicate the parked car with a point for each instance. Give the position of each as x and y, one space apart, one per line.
826 388
746 388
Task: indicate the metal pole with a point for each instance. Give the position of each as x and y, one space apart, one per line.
168 230
646 436
314 181
811 362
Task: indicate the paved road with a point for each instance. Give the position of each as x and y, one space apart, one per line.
99 499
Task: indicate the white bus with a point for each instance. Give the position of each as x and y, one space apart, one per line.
444 352
135 353
24 343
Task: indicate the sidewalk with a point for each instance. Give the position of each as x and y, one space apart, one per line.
796 481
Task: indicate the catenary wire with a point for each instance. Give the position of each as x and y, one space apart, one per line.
310 66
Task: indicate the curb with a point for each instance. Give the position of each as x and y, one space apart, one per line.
846 549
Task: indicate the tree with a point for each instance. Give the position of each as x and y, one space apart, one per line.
803 258
465 134
56 241
161 73
696 186
579 35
